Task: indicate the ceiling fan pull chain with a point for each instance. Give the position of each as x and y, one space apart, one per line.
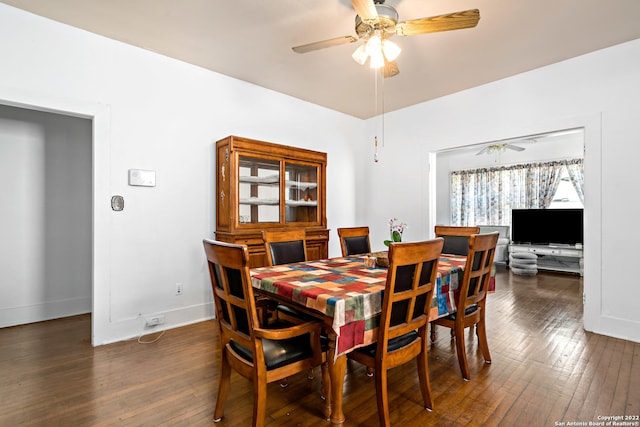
382 84
375 153
375 92
375 111
379 105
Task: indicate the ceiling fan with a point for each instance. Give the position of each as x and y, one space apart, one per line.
377 22
499 148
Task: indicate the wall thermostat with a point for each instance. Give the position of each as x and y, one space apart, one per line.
117 203
142 178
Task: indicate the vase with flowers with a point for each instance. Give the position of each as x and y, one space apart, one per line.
396 228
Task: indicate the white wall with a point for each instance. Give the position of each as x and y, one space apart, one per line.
152 112
599 92
45 220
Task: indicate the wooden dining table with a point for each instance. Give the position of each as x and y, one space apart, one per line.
347 296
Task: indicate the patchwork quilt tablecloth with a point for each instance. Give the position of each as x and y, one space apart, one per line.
350 294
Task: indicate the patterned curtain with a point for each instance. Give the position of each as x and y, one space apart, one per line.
576 174
548 180
486 196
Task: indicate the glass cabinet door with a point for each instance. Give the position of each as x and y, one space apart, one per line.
301 193
259 190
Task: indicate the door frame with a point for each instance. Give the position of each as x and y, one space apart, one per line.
591 124
99 114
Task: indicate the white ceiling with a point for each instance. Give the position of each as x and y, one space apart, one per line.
251 40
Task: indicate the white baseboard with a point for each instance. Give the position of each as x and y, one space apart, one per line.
625 329
113 331
126 329
13 316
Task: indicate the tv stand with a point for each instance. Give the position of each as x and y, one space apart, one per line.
568 259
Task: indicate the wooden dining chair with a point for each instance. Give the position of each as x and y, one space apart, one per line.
285 246
402 331
456 238
354 240
471 302
262 355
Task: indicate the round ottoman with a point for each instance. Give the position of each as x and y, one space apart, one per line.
523 263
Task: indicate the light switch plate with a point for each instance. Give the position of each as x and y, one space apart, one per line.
142 178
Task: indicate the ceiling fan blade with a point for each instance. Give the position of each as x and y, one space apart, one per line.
365 9
484 150
514 147
390 69
450 21
324 43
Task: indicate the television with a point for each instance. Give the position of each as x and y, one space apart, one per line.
563 227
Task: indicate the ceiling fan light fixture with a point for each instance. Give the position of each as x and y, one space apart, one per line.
390 49
360 55
373 45
377 60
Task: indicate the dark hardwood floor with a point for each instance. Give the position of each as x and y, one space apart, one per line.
546 370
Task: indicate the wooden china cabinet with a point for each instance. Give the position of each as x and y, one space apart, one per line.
261 185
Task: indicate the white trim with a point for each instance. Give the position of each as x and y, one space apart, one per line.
44 311
100 116
126 329
432 162
592 124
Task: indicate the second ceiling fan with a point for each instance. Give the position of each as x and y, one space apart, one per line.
376 22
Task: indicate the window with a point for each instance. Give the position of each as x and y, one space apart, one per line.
486 196
566 195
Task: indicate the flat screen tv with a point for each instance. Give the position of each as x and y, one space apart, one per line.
547 226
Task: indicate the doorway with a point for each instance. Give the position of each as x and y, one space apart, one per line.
46 223
540 148
592 127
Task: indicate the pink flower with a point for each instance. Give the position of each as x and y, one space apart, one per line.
396 228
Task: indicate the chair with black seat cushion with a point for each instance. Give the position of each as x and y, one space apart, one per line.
285 246
259 354
456 239
402 331
354 240
471 303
